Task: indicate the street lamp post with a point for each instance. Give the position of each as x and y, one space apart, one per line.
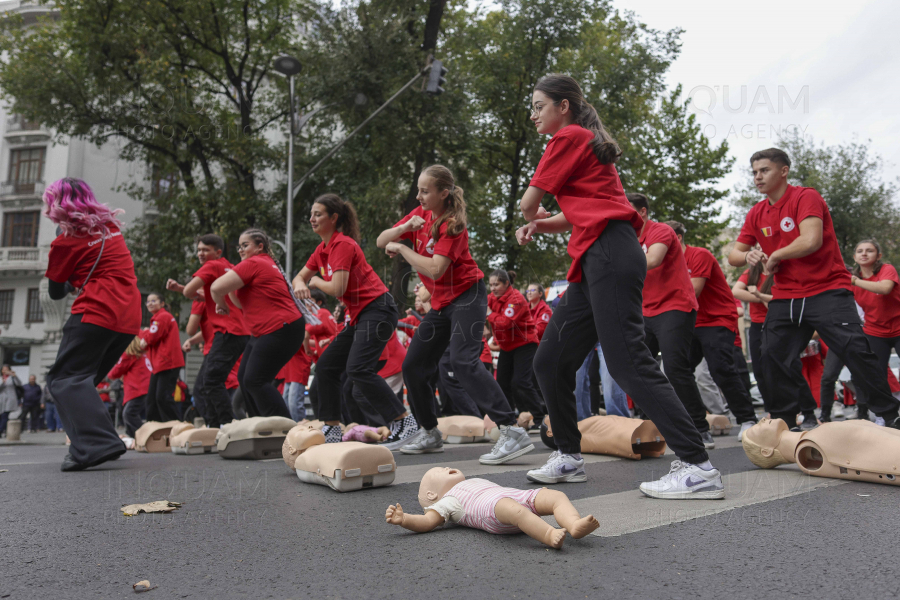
289 66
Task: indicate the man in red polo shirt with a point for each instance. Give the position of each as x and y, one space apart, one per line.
811 291
716 328
670 310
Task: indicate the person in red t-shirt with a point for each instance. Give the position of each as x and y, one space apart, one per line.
89 257
540 310
748 289
515 331
134 370
670 311
259 287
876 290
603 301
339 268
811 290
199 329
163 345
440 255
716 329
227 338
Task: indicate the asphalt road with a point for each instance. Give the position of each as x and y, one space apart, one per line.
252 529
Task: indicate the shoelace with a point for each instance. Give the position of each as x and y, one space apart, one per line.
677 465
504 436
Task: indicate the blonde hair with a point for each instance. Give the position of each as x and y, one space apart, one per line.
134 348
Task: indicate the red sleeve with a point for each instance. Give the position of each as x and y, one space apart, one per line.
61 261
125 362
745 277
208 273
748 229
315 260
660 235
810 204
198 307
560 159
702 264
158 328
341 256
888 273
451 247
327 327
247 270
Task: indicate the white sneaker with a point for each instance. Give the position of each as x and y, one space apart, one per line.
879 421
513 443
744 427
560 468
685 481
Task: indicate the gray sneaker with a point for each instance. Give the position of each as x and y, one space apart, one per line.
424 442
708 442
513 443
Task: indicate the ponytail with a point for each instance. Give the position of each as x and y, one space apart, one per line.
507 277
454 214
754 275
347 221
563 87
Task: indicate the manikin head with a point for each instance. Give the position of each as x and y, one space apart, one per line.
761 443
300 439
437 482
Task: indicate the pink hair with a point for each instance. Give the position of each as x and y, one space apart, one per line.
70 203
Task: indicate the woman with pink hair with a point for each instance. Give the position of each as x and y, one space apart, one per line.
90 259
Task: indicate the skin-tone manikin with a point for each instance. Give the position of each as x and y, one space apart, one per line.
440 480
856 450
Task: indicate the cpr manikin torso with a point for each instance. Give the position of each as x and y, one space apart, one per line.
462 429
856 450
153 436
615 436
254 438
187 439
446 495
344 467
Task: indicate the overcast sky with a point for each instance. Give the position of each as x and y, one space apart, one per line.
835 67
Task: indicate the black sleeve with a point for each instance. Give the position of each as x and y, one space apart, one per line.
58 291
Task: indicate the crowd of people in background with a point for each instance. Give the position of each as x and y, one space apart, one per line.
653 318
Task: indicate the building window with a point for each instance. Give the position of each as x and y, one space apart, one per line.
21 229
25 169
35 312
6 306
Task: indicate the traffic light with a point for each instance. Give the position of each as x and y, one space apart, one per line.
436 78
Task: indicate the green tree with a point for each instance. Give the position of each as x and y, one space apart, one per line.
850 178
186 86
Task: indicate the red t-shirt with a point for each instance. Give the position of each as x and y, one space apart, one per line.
164 342
233 322
297 369
111 298
758 310
198 307
716 301
266 298
777 226
541 315
589 193
103 389
737 334
134 371
668 286
408 325
393 353
511 320
343 254
326 330
462 272
882 310
486 356
232 381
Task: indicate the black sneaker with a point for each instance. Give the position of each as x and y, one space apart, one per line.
402 432
333 434
69 464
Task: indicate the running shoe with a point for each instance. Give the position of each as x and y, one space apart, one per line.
402 432
332 433
513 443
685 481
708 442
560 468
744 427
424 442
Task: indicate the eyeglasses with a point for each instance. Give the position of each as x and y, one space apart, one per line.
536 110
529 290
244 246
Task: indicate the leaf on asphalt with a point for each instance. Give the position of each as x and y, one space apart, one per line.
7 471
160 506
143 586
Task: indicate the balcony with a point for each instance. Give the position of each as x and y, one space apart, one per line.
22 131
20 188
23 260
